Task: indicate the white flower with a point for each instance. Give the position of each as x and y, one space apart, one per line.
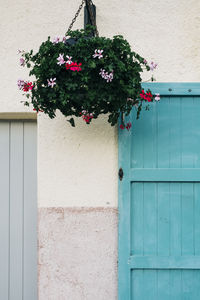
157 97
69 59
51 82
98 53
152 66
56 40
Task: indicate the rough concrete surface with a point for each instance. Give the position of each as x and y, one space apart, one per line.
77 254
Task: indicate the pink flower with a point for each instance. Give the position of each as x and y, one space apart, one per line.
106 76
157 97
60 60
121 126
20 51
51 82
20 83
22 61
56 40
145 61
152 66
64 39
98 53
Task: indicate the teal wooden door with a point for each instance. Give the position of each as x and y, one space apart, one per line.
159 198
18 211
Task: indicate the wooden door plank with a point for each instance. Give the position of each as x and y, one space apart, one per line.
16 210
4 210
30 211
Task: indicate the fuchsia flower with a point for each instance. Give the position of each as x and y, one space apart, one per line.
60 60
98 53
157 97
51 82
73 66
152 66
121 126
22 61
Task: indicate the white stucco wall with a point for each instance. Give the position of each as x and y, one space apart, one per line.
78 166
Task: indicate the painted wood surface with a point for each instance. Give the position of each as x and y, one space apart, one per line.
18 211
159 198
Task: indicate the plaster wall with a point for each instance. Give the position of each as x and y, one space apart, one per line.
78 166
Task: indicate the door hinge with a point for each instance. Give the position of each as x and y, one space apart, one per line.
121 174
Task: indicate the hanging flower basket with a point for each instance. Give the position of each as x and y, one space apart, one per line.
86 76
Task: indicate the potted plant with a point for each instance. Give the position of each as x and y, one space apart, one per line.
85 76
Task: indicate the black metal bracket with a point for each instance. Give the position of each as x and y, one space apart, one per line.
87 16
121 174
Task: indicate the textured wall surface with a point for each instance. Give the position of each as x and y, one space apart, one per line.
77 254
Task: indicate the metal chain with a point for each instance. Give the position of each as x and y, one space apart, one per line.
91 15
76 15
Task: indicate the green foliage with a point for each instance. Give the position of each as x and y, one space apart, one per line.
86 90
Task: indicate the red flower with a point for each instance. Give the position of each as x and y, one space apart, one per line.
38 110
86 116
128 126
146 96
27 86
74 66
121 126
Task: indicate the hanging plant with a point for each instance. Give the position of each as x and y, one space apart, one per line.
85 76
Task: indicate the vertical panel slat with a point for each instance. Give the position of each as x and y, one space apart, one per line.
149 285
175 285
187 132
150 219
30 212
197 218
175 219
174 123
163 291
163 219
187 219
137 282
149 137
163 134
137 141
196 132
4 211
16 210
137 218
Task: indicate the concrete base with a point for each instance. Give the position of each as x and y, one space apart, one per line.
78 253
